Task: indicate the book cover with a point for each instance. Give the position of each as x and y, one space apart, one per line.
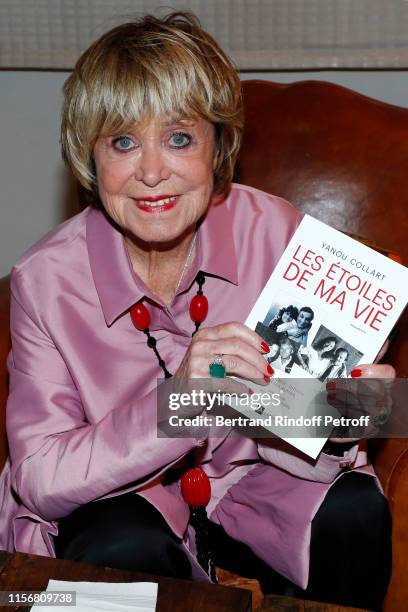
329 305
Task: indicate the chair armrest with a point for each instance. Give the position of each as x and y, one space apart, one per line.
390 460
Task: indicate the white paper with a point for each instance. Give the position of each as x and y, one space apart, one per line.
109 596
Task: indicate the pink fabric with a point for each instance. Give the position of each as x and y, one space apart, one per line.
81 413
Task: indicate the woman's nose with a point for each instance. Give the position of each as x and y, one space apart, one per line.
151 166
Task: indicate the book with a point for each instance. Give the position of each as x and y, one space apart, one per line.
328 306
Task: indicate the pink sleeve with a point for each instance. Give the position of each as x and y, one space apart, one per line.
59 460
325 469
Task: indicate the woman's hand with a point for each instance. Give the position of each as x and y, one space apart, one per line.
242 352
369 392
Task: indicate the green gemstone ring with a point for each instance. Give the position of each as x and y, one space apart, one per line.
217 367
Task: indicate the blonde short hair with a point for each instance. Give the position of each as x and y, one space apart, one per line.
151 66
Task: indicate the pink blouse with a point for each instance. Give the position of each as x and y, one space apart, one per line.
81 415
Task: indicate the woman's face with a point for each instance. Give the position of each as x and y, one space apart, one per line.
156 180
341 358
286 349
329 345
286 317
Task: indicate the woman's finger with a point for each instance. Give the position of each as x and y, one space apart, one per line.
373 370
239 357
233 329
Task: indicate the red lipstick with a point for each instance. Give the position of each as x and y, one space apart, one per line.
147 203
155 198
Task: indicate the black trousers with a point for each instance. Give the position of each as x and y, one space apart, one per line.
350 556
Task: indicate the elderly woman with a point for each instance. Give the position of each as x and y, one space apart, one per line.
105 304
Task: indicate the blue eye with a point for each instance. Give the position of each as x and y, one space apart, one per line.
123 143
179 140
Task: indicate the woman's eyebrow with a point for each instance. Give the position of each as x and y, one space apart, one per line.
180 121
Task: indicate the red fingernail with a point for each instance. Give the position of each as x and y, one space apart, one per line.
331 397
267 378
270 369
356 373
330 386
265 347
250 391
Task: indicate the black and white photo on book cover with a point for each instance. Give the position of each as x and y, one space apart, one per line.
327 355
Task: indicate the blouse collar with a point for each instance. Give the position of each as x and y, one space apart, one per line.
119 287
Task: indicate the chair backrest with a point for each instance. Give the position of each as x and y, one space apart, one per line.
336 154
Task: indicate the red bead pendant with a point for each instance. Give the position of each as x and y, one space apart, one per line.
140 316
195 487
198 308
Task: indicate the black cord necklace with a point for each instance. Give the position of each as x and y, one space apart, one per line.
195 484
198 312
